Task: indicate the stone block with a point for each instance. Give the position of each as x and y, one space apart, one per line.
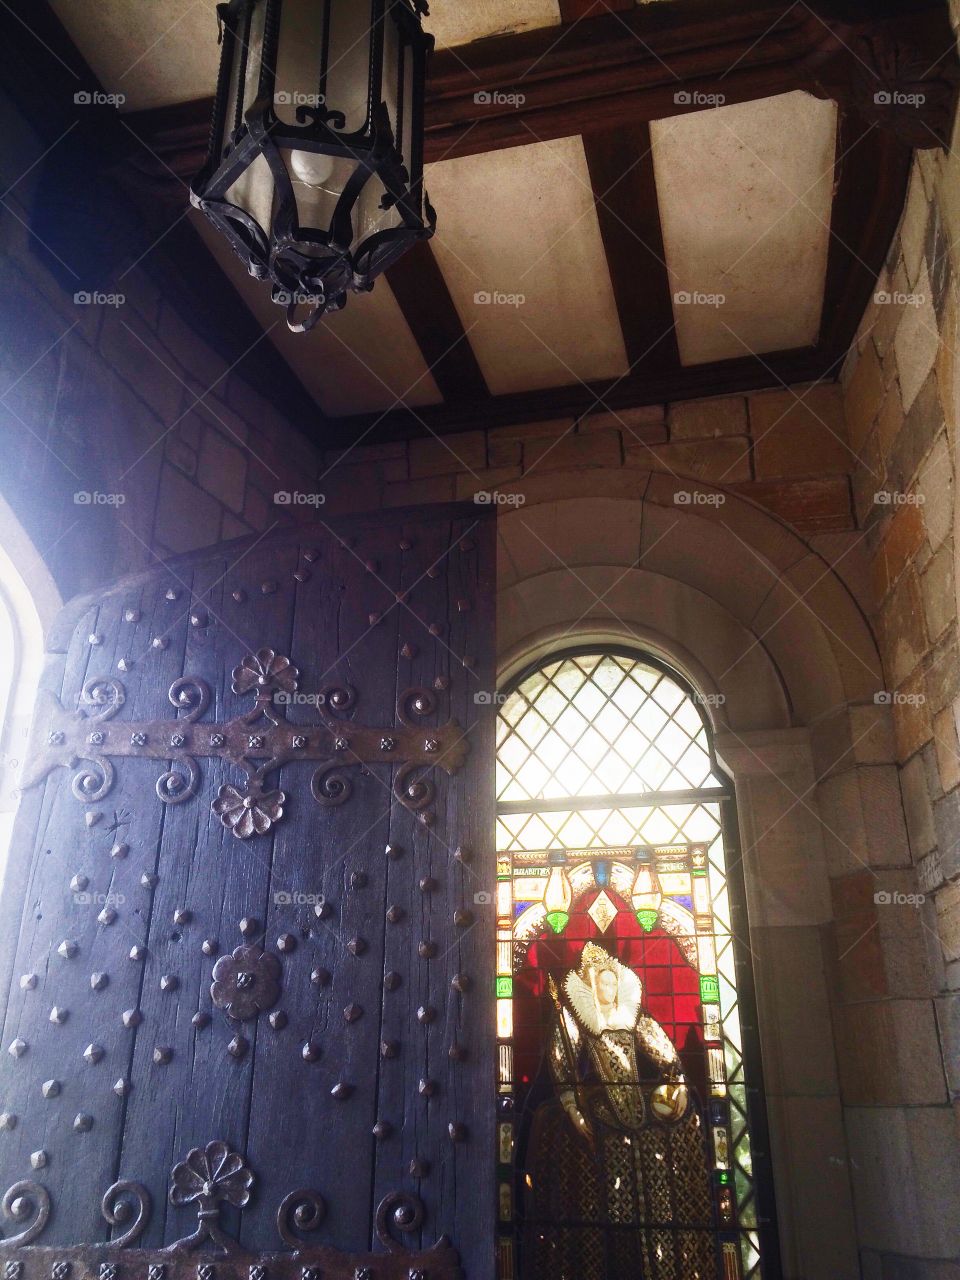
858 952
862 817
707 419
800 433
553 428
889 422
906 1178
644 422
211 412
180 455
946 818
867 483
903 630
723 461
918 807
189 349
888 1054
434 456
250 404
798 1054
810 506
948 921
912 718
186 516
937 590
222 470
937 255
913 226
571 452
490 482
948 1020
846 553
888 315
943 673
929 875
916 340
935 487
878 936
863 397
349 488
948 366
257 512
134 353
233 528
923 423
819 1178
946 741
413 493
503 453
899 543
858 734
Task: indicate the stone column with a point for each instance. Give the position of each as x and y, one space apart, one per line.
788 900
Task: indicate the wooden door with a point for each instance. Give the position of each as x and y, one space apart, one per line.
249 959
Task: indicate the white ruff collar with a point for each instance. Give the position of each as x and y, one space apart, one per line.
621 1016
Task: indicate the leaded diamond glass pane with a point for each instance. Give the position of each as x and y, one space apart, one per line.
635 853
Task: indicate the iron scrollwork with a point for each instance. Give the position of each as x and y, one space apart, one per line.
258 743
208 1178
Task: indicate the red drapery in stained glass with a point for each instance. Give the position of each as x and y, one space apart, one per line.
671 986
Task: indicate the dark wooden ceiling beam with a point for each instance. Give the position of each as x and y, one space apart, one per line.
429 310
873 170
620 163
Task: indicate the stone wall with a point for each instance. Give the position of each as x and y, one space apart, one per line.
123 402
786 449
902 398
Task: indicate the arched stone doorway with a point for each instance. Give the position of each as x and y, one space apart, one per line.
761 623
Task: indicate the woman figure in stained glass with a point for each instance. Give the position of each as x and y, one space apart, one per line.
617 1180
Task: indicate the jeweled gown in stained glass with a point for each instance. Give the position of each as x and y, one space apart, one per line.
617 1181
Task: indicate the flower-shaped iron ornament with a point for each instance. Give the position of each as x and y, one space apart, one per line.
265 672
249 810
246 983
210 1176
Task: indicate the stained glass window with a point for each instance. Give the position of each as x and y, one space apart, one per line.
624 1143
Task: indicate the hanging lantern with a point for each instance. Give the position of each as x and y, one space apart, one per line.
315 169
646 896
558 898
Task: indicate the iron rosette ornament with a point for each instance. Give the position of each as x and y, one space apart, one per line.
315 168
246 983
248 809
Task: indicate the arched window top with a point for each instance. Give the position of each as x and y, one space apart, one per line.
601 723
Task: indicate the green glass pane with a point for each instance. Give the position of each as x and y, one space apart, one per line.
558 920
504 987
709 989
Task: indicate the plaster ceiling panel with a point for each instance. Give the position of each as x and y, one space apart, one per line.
456 22
745 196
155 54
363 359
519 245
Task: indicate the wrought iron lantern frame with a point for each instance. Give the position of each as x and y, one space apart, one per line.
311 265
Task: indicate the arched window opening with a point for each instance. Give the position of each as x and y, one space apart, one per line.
23 611
631 1133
